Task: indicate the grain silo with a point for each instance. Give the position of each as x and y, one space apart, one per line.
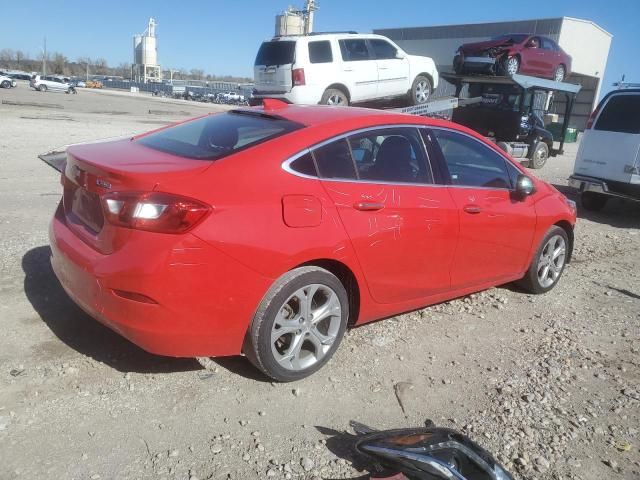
145 55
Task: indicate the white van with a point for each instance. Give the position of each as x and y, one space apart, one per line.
608 160
339 69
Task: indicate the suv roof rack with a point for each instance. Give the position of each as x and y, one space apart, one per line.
312 34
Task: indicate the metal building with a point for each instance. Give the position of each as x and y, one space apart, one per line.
587 43
145 56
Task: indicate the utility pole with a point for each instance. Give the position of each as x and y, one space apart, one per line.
44 58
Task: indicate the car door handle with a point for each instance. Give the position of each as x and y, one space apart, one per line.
383 68
347 69
368 206
473 209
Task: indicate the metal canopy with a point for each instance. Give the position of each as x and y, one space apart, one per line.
525 81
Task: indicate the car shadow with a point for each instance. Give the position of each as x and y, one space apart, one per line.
618 213
81 332
342 445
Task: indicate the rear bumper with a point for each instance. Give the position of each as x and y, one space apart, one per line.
202 300
591 184
302 95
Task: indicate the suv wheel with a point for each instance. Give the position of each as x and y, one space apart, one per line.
420 90
6 84
42 88
298 325
333 96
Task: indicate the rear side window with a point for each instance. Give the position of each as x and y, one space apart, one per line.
276 53
354 50
621 114
217 136
320 52
304 165
334 160
470 163
383 50
548 44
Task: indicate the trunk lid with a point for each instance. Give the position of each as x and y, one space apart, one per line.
273 65
95 169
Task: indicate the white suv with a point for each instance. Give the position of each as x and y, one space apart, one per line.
608 160
339 69
50 82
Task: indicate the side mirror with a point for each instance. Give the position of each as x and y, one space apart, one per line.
400 56
524 186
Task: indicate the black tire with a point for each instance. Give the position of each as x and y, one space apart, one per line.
559 73
5 84
421 90
334 96
539 156
42 88
531 281
258 347
593 201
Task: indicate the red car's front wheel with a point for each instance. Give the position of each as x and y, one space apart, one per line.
511 65
559 73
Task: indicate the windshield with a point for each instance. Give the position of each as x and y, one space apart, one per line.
275 53
515 38
216 136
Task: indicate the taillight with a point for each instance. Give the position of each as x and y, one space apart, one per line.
592 118
153 211
297 75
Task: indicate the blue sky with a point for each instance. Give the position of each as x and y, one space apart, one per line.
222 37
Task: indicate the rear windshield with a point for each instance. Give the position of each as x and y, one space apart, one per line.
276 53
621 114
216 136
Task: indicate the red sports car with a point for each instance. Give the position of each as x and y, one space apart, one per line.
514 53
268 231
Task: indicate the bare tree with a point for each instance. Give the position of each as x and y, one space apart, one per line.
59 63
197 74
20 57
101 66
7 57
124 70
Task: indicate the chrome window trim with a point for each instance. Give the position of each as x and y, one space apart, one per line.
286 164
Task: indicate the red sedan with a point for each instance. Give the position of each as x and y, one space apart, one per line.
268 231
514 53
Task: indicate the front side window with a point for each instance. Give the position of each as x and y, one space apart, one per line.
470 163
390 155
320 52
354 50
383 50
621 114
216 136
334 160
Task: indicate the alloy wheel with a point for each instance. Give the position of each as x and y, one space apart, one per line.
422 91
551 261
306 326
512 65
559 74
335 100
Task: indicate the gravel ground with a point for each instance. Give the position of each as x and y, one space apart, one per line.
548 383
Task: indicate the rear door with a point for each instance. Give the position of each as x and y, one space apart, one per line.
393 72
496 229
611 148
401 225
273 64
359 68
550 57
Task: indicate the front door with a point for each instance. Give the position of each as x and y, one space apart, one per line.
496 228
359 68
402 227
393 72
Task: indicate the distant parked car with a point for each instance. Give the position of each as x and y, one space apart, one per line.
340 69
514 53
233 97
7 82
608 160
50 82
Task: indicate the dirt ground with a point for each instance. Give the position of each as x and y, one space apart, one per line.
549 383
